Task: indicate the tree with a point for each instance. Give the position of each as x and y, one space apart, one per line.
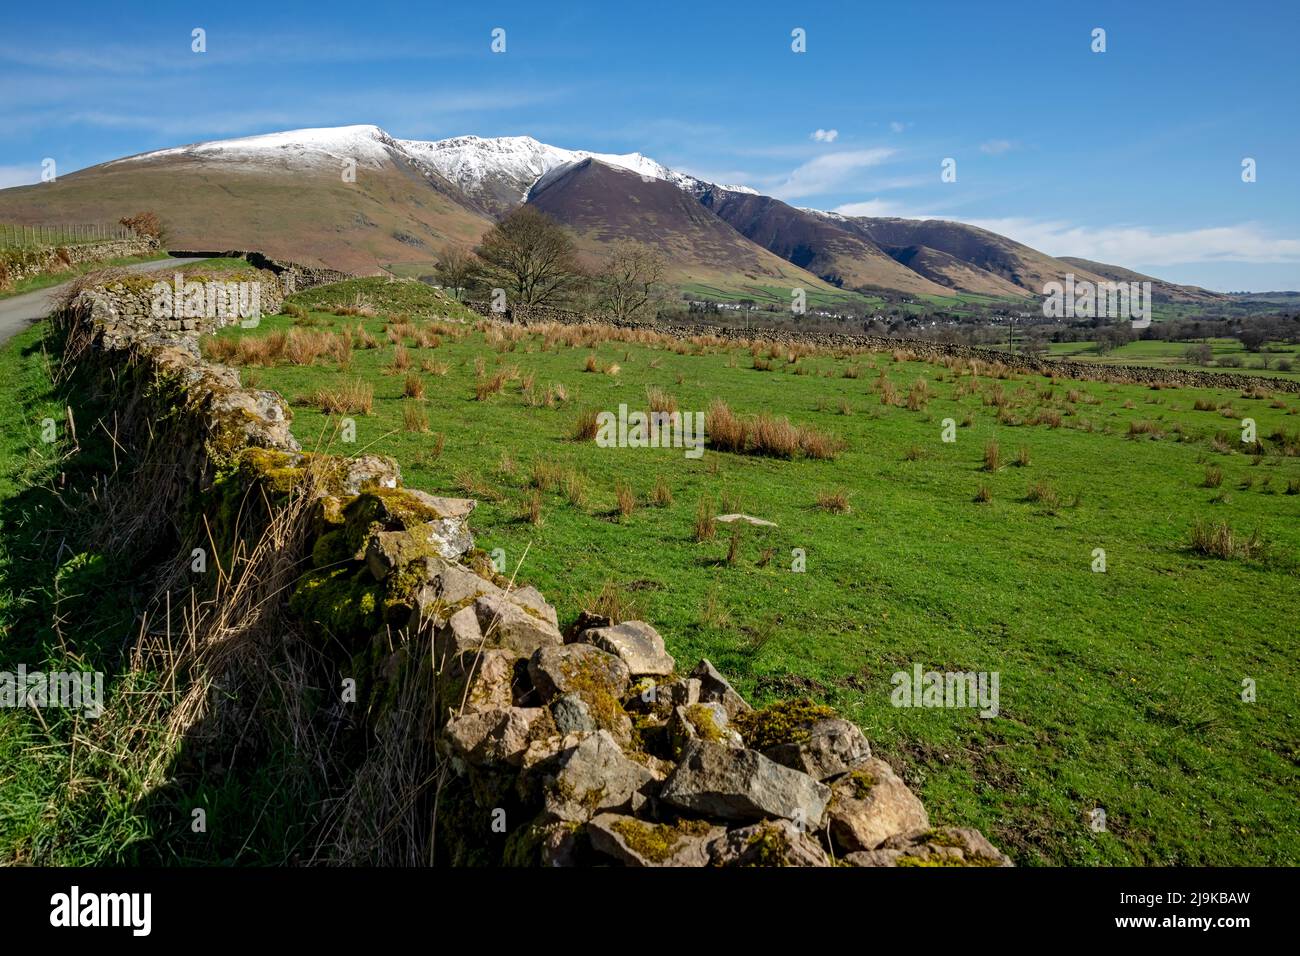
530 256
146 225
455 269
630 283
1252 338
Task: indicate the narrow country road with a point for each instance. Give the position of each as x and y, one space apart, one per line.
19 311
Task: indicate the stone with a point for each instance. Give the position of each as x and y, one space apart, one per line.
701 722
595 776
490 681
530 599
833 746
491 737
950 846
770 843
389 551
572 715
446 587
577 668
745 519
458 636
737 784
634 842
507 625
871 804
369 471
446 507
714 687
638 645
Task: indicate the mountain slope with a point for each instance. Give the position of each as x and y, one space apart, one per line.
599 203
816 244
1161 291
1005 258
283 194
497 173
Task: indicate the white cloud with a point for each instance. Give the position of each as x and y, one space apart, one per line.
897 127
825 135
996 147
829 173
23 175
1140 245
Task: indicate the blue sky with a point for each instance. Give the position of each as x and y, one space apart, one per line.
1130 156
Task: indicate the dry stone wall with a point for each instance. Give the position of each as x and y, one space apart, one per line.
23 263
574 746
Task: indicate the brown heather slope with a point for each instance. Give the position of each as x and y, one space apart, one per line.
955 275
816 243
297 207
600 203
1161 291
1012 261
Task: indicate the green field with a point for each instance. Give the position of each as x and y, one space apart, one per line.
1119 690
1158 354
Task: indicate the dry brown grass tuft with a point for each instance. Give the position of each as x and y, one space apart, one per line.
586 427
414 418
992 456
625 498
662 495
1218 540
836 501
706 528
356 396
413 386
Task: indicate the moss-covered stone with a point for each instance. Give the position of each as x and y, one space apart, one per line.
787 721
346 601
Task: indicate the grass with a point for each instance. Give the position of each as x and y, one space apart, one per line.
1119 690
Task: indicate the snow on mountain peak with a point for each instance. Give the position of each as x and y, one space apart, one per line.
368 145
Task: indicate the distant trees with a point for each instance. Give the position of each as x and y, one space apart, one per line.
530 256
629 284
1200 354
455 269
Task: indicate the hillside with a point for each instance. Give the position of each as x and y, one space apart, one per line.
815 244
1161 291
600 203
1005 258
282 194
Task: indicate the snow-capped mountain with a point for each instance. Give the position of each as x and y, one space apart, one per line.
500 172
497 173
326 147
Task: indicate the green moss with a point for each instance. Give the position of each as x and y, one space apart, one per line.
331 548
972 860
939 838
704 722
656 842
862 783
589 678
344 600
787 721
767 847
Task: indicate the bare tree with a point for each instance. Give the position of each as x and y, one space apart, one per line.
630 283
455 269
530 256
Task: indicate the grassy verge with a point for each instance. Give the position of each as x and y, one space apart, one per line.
45 280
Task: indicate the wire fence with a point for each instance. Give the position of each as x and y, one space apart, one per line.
61 234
